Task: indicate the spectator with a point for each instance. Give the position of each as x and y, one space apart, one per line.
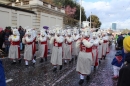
22 32
2 75
117 63
124 73
120 42
1 38
7 43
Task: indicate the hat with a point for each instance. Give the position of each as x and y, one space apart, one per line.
118 53
126 43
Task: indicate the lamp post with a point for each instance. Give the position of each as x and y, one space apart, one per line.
90 20
80 14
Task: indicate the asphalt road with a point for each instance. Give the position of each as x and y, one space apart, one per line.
41 74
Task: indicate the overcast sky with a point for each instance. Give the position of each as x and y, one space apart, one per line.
109 11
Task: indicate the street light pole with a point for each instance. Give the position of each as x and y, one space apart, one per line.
90 20
80 14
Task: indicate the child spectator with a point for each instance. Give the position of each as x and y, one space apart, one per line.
117 63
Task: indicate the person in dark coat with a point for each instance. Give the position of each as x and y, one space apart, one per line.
2 75
120 42
6 41
22 32
1 39
124 73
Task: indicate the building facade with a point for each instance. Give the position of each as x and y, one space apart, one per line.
113 26
32 13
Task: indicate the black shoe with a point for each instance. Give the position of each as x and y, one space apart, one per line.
46 59
81 81
60 67
88 78
41 60
72 59
33 64
26 65
75 57
99 62
104 57
20 61
55 69
94 68
13 63
35 57
65 63
101 58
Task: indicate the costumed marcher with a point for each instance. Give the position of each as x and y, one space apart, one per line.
105 40
108 41
43 47
51 33
124 73
117 63
63 33
95 49
85 59
56 56
100 49
34 42
28 40
75 50
67 53
14 50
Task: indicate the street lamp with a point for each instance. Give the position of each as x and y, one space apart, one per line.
90 20
80 14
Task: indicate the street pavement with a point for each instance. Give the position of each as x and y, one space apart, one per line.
41 74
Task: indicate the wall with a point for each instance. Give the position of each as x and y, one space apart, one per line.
10 17
50 20
24 19
5 17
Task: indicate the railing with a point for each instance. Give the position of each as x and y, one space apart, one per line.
44 4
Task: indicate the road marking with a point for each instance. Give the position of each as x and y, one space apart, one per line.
62 77
9 80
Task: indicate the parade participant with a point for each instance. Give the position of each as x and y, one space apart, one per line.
14 50
28 40
64 44
104 44
100 49
95 49
34 43
67 53
56 56
43 47
51 33
75 50
85 59
108 41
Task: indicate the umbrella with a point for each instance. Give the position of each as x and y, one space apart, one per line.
1 29
45 27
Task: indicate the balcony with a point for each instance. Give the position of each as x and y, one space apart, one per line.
37 2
